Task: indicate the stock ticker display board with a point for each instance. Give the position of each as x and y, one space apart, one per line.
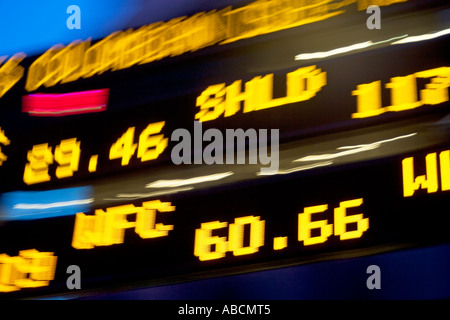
352 154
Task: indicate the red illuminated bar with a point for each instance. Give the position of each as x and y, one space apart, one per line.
64 104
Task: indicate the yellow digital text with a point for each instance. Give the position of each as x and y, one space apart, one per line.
67 155
305 225
124 49
4 141
210 247
30 269
302 84
213 240
11 72
280 243
404 95
341 221
39 158
93 163
107 227
430 180
262 17
150 145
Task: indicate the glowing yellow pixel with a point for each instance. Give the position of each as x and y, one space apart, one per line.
30 269
36 170
341 220
152 145
262 17
5 141
444 159
72 57
430 180
368 100
40 70
208 247
305 225
124 147
212 107
437 90
67 154
236 235
403 93
93 163
146 227
279 243
103 55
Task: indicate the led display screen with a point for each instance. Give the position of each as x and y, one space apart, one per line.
94 172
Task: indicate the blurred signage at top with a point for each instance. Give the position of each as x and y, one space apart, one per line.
124 49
